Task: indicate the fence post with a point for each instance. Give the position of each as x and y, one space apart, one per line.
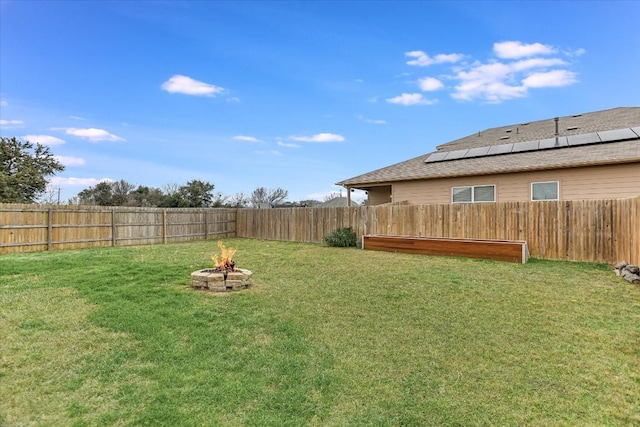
50 229
164 226
206 225
113 227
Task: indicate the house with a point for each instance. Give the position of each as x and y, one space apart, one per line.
336 202
585 156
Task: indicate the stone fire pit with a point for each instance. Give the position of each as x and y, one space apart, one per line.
221 281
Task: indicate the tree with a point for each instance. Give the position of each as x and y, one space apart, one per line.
333 195
219 200
195 194
198 194
50 196
271 196
144 196
172 197
24 169
100 195
238 200
120 191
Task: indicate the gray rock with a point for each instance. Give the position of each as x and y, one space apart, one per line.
620 265
632 268
631 273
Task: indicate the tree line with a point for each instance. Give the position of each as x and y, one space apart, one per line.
193 194
25 170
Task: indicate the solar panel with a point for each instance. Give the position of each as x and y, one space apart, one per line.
525 146
624 134
477 152
558 142
616 135
584 139
436 157
500 149
458 154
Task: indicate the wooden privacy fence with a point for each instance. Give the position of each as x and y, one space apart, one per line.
584 230
27 228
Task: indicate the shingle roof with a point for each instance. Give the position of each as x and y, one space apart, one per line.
615 118
336 202
597 154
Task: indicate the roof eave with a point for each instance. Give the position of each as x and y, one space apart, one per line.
348 183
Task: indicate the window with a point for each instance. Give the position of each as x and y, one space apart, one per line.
473 194
462 194
544 190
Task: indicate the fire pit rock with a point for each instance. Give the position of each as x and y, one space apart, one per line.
221 281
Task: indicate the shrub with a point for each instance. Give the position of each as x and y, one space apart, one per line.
342 237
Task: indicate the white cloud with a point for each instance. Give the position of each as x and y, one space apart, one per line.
493 92
44 139
429 84
485 73
77 118
3 103
91 134
246 138
555 78
527 64
11 123
500 81
374 121
320 137
487 82
233 100
513 70
70 161
77 182
424 60
516 49
575 53
268 153
411 99
288 144
189 86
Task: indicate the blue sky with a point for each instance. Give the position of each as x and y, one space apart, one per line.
297 95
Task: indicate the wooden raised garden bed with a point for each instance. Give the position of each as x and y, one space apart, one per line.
501 250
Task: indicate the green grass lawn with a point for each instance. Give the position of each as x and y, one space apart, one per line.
326 336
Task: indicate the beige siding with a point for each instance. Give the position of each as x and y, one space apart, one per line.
595 182
379 195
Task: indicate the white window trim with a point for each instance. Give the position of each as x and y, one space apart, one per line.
473 193
545 182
